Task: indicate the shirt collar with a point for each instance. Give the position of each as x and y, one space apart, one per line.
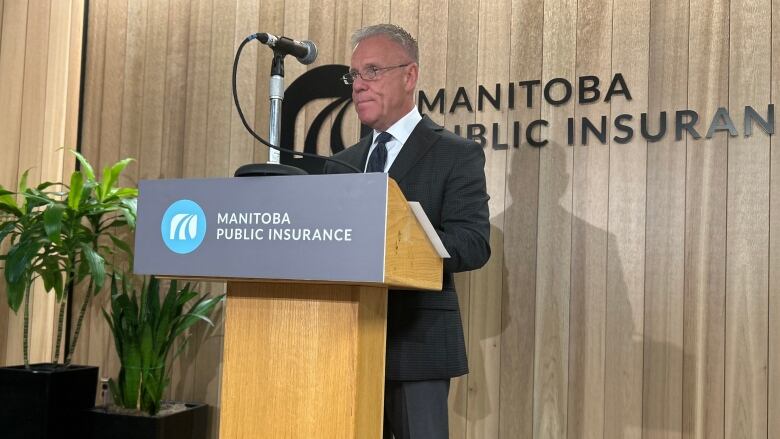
402 129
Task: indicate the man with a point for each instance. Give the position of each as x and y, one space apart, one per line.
445 173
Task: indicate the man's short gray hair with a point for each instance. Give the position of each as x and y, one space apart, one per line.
393 32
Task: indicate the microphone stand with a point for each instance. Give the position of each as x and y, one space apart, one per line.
275 97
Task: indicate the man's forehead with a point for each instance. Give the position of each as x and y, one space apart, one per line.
376 49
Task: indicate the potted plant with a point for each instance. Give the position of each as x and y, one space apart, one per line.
62 234
145 327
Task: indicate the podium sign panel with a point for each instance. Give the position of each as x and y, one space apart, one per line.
263 228
304 349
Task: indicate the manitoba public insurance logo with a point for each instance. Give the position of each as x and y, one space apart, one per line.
183 226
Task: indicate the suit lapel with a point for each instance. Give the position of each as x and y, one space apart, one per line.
419 142
362 152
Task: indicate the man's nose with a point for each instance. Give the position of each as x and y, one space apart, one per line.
359 84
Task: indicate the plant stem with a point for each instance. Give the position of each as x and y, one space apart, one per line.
26 334
77 331
60 321
63 307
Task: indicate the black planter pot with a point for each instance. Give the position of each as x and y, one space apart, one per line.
187 424
44 402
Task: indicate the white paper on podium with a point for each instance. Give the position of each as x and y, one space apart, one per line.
422 218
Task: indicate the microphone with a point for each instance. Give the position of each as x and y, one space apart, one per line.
304 51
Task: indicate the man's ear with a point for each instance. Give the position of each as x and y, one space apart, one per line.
411 77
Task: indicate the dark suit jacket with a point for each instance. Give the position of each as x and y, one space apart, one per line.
446 174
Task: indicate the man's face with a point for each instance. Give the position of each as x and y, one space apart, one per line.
383 101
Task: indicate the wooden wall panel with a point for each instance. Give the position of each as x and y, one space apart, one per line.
31 151
461 27
484 343
271 20
773 401
4 309
603 312
747 232
665 228
12 51
516 410
553 281
39 59
626 252
705 229
590 187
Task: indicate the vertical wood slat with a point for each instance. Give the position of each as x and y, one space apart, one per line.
773 400
376 11
36 66
4 309
625 255
198 61
108 151
322 30
55 121
174 116
406 13
747 232
553 281
296 22
151 148
516 410
271 20
133 99
31 154
12 52
101 127
665 226
108 148
349 17
485 325
12 46
220 98
590 182
705 229
241 143
460 28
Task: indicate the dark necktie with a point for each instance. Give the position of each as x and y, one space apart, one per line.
376 163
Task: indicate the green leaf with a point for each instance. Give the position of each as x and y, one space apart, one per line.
23 182
45 185
6 229
52 221
22 189
130 211
19 260
89 173
8 202
97 266
126 192
15 293
76 188
111 176
121 245
117 394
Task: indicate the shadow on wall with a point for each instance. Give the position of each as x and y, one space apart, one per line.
604 349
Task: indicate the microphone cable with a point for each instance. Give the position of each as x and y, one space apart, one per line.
253 133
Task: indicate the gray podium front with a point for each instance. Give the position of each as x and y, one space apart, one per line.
308 261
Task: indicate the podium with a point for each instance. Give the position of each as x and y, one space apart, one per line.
308 261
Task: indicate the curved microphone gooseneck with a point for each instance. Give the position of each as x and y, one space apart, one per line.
253 133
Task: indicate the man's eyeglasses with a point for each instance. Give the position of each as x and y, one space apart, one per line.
368 74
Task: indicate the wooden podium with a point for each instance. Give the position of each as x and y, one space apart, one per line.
305 357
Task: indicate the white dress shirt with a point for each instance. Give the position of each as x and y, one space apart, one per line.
400 131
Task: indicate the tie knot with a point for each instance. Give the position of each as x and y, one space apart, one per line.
384 137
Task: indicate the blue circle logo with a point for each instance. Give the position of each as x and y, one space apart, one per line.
183 226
